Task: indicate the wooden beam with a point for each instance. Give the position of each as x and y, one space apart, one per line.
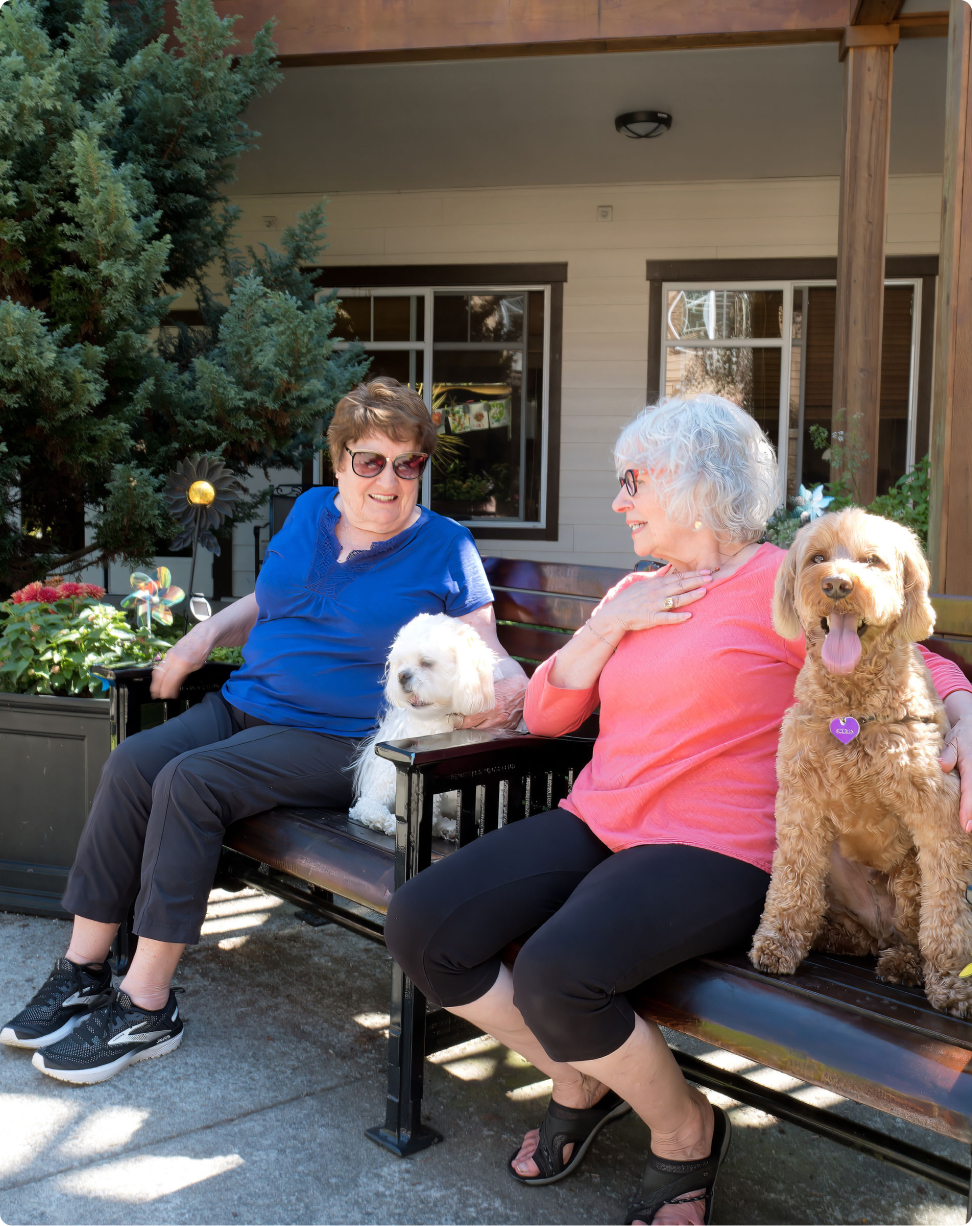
875 12
950 514
860 262
309 32
868 36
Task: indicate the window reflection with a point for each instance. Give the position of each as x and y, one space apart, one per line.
724 314
749 377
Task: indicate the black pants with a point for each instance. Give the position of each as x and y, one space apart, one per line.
165 799
601 924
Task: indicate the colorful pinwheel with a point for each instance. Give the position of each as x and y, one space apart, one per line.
153 597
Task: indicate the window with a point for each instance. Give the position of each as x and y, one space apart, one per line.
769 346
479 354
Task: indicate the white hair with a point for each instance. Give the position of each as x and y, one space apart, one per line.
709 460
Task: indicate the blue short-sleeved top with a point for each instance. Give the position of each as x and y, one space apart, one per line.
316 656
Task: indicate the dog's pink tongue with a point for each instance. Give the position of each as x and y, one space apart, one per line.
842 646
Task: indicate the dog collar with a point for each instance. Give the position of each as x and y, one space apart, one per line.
846 728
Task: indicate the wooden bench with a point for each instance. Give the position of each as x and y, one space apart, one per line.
833 1024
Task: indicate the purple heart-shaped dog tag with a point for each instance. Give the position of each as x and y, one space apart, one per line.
845 729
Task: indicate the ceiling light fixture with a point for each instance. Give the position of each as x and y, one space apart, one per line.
643 125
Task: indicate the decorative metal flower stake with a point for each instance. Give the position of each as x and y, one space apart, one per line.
200 493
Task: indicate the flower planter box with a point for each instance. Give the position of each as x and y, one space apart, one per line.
51 753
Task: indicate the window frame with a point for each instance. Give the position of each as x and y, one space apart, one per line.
399 280
777 273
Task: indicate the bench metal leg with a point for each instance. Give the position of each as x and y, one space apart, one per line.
403 1131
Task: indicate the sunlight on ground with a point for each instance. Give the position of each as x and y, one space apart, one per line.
103 1130
27 1123
242 904
524 1094
476 1060
146 1177
373 1021
232 942
230 913
233 923
764 1076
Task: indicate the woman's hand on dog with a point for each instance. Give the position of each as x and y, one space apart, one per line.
508 710
958 750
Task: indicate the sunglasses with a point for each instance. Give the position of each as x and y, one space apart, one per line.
629 479
409 466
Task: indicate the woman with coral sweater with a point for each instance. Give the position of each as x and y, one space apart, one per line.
663 850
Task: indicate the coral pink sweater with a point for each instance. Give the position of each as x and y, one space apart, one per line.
690 719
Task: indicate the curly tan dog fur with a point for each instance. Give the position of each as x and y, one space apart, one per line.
870 857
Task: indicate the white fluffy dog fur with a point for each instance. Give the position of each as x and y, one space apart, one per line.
438 670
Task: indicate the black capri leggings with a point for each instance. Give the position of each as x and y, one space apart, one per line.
600 923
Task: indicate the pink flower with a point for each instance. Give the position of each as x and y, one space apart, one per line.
31 592
50 592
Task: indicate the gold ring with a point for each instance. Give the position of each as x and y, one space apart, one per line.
669 602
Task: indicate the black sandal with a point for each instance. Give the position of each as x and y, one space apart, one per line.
665 1181
560 1127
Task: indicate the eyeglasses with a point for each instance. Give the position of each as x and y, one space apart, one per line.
409 465
629 479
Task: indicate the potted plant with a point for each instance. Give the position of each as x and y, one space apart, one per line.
54 729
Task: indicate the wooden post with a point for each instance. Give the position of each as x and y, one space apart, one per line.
867 52
950 513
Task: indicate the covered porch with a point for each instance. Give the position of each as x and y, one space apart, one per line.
783 242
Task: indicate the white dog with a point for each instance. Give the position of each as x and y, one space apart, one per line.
438 670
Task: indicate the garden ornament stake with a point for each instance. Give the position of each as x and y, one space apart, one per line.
200 493
153 597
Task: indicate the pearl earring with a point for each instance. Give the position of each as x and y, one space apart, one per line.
697 525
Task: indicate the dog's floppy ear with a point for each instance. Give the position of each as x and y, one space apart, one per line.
474 691
917 612
786 621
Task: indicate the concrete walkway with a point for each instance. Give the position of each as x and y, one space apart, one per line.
259 1117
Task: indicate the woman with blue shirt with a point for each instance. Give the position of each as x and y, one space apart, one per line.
349 568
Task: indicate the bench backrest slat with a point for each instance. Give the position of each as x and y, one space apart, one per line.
539 604
557 577
539 609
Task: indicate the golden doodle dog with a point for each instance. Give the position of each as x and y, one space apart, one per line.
870 856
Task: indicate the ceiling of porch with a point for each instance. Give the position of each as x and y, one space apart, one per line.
760 112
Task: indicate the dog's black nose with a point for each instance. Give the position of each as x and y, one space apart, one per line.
404 678
837 586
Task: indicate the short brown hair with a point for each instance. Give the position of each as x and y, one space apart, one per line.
383 406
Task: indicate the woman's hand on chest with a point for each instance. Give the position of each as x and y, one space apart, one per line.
648 599
640 602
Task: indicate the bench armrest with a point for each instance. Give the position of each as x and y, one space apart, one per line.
500 776
131 691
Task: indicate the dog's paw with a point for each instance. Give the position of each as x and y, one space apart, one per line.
444 828
373 814
900 965
771 954
948 993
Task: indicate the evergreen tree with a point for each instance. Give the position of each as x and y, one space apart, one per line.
116 145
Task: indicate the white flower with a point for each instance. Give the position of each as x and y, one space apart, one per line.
811 504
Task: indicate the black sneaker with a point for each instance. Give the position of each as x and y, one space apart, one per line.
70 992
110 1038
